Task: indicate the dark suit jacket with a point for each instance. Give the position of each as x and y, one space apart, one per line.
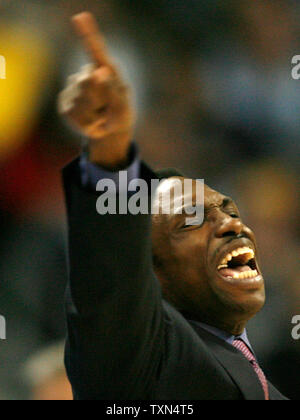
124 340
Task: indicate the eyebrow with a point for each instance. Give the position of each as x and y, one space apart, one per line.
227 201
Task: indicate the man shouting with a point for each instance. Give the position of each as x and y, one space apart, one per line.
157 307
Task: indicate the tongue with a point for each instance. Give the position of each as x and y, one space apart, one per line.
229 272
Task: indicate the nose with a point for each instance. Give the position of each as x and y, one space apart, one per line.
229 226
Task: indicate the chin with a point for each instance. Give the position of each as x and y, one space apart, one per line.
245 296
247 304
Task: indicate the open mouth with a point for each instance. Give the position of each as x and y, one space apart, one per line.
240 264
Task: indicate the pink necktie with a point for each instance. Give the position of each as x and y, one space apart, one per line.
241 346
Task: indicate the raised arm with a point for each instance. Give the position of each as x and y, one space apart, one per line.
97 101
115 328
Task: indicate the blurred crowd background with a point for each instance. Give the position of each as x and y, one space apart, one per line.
215 98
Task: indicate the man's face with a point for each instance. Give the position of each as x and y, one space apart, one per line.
210 271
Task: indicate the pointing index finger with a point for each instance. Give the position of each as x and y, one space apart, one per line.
86 27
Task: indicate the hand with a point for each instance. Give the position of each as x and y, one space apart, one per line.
96 101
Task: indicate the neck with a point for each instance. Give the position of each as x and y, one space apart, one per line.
234 330
232 327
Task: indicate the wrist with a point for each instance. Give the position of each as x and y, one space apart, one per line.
111 152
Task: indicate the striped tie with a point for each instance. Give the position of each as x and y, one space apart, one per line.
241 346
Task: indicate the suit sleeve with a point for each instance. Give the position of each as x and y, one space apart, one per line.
113 300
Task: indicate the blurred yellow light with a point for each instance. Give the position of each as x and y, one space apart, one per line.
27 58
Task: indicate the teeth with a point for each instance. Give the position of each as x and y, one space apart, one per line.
222 266
246 275
236 253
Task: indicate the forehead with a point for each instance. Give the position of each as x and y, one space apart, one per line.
173 199
213 197
179 187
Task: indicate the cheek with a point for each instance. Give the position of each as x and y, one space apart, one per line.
189 256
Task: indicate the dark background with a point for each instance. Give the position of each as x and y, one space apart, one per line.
215 97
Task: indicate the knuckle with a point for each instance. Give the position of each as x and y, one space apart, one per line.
67 109
71 79
85 80
62 104
103 75
87 69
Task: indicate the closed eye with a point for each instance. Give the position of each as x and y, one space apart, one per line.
234 216
195 223
196 216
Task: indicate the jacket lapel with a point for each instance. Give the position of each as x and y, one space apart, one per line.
235 364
